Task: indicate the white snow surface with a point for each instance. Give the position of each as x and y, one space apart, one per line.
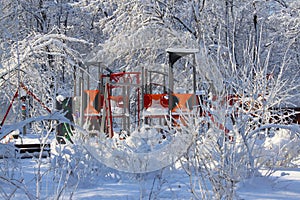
170 183
283 184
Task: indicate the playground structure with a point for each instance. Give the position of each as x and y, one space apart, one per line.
120 102
140 110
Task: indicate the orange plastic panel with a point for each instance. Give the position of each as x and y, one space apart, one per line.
90 109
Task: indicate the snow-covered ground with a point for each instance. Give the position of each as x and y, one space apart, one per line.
69 176
283 184
167 184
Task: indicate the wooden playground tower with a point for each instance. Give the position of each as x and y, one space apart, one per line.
111 102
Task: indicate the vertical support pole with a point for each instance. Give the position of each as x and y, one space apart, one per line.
142 88
146 91
81 86
128 103
150 82
165 81
75 88
194 73
125 105
101 90
74 96
103 115
109 114
24 115
171 84
139 99
99 79
88 77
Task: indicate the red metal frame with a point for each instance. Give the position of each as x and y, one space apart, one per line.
114 79
15 96
8 109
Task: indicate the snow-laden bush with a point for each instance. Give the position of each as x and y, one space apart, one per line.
280 149
249 127
218 159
